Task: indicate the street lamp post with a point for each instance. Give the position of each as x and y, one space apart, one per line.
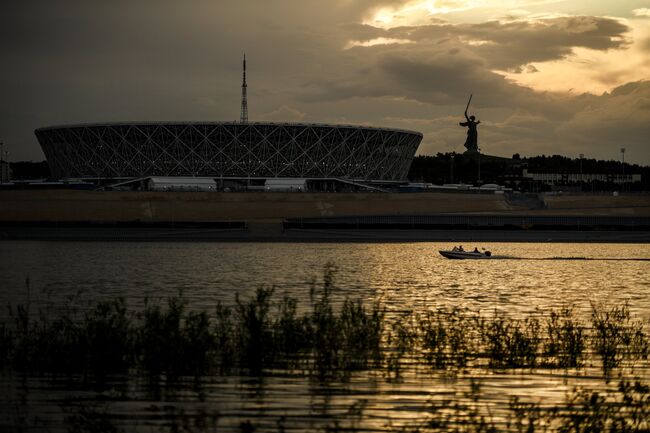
623 166
582 155
478 181
451 167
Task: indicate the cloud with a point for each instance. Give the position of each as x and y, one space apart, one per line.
376 41
283 114
440 70
77 61
508 45
614 120
519 43
641 12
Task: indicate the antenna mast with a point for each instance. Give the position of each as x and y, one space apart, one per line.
243 118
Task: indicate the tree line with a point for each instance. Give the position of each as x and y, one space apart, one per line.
464 168
461 168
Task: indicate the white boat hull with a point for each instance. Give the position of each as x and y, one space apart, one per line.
460 255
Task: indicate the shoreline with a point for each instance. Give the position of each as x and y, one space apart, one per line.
132 234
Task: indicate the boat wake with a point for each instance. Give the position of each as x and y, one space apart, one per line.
460 254
600 259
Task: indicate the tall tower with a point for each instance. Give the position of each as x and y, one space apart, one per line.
243 118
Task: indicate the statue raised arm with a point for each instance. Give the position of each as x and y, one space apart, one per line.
471 143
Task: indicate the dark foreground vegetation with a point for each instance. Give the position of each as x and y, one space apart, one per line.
331 341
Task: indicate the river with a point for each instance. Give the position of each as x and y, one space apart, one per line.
405 278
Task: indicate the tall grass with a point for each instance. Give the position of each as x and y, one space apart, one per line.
328 340
331 340
623 409
565 343
448 337
618 337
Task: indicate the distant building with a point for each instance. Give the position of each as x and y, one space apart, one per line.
254 151
229 155
157 183
576 178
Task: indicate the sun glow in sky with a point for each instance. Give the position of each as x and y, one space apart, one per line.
548 76
581 70
377 41
590 71
420 12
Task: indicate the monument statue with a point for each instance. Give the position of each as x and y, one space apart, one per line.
472 133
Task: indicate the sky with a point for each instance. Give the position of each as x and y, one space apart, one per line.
547 76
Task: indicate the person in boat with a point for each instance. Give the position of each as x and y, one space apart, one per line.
476 249
461 248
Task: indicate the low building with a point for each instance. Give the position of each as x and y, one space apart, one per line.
109 153
576 178
160 183
297 185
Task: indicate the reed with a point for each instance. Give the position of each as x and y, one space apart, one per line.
331 341
160 338
511 343
400 345
448 337
290 334
223 330
618 337
326 341
625 408
253 330
344 341
565 339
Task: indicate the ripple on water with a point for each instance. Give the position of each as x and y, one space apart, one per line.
405 277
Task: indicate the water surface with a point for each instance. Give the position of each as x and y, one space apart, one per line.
405 277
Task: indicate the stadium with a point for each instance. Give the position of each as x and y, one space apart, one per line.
241 153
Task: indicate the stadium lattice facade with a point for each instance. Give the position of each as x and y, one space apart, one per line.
228 150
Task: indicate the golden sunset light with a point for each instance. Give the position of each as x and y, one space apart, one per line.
363 216
530 58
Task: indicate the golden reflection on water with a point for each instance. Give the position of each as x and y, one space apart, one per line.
405 277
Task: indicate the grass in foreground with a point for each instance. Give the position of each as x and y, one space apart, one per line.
264 332
332 341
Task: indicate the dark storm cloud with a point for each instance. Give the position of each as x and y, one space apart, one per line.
80 61
515 44
444 77
620 118
439 73
444 63
511 44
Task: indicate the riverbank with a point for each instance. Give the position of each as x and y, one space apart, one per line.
275 233
64 206
321 217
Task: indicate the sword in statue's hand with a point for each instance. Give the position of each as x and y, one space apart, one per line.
468 102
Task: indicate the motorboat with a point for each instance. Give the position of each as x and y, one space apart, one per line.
460 254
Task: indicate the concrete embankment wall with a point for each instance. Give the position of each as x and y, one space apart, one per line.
113 206
112 215
608 205
165 207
